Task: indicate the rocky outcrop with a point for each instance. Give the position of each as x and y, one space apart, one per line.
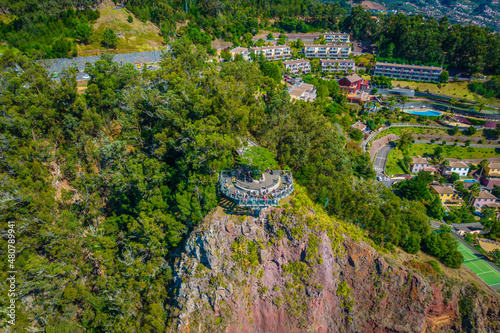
291 270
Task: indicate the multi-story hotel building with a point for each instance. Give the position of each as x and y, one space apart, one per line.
279 52
328 51
331 65
408 72
336 37
298 66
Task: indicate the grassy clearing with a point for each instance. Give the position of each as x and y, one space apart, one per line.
133 37
426 149
457 90
456 275
363 60
422 131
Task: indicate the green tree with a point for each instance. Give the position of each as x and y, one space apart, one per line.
109 39
226 55
444 76
412 243
130 19
404 100
83 31
356 135
438 153
247 37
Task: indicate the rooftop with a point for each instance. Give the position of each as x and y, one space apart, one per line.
359 126
270 47
485 195
335 61
494 165
420 160
327 45
458 164
442 189
298 61
353 78
407 66
335 33
239 50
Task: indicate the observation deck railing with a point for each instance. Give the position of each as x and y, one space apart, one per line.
272 199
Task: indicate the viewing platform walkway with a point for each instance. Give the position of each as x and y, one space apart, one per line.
267 191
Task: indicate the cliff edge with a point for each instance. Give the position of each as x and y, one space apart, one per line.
294 270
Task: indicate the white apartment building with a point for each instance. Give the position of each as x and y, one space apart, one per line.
243 51
460 168
408 72
336 37
328 51
278 52
298 66
302 91
331 65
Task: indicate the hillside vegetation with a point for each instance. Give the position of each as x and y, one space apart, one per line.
105 185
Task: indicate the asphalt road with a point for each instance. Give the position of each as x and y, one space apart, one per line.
380 162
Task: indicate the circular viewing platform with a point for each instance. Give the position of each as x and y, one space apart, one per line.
240 186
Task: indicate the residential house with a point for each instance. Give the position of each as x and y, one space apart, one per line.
337 65
358 96
243 51
278 52
408 72
336 37
491 175
328 51
300 66
484 198
351 83
447 194
459 168
467 228
419 164
302 91
360 126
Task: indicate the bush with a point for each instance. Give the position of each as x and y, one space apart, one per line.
130 19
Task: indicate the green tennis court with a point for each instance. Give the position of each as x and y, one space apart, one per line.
482 268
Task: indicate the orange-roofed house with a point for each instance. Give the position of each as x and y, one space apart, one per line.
447 194
459 168
419 164
484 198
491 175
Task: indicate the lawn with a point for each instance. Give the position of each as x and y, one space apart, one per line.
458 90
133 37
422 131
425 149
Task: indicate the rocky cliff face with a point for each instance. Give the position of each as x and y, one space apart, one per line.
292 270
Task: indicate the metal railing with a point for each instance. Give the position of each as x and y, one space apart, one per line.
242 201
272 199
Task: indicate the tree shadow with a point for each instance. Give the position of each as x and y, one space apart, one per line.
490 134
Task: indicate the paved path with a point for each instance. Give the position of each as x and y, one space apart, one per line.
450 141
378 144
61 64
380 162
372 135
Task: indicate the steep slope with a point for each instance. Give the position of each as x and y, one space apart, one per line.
295 270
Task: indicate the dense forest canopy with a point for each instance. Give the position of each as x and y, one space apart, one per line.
104 186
